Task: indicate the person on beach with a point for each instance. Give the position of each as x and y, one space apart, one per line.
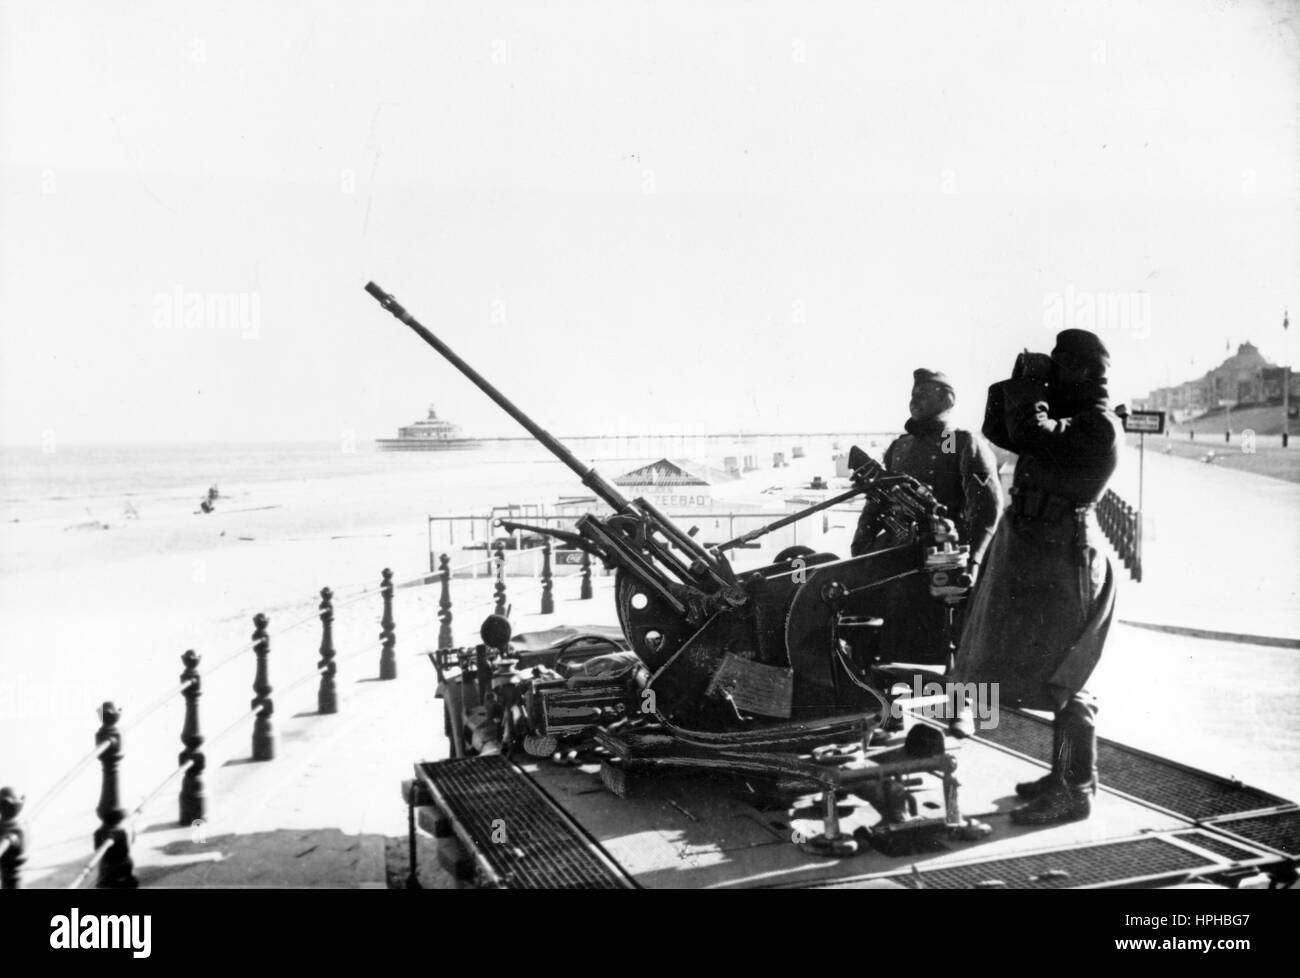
961 471
1040 613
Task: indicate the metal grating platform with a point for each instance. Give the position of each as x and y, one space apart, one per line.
1217 845
1279 831
1108 863
1185 791
521 838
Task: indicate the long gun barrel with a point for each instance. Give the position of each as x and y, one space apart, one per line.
763 531
589 476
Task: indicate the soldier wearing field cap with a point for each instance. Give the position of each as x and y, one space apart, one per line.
961 471
1038 620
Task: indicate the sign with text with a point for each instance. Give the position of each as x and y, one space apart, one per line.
1145 422
568 557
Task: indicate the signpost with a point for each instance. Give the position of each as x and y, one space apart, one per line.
1143 423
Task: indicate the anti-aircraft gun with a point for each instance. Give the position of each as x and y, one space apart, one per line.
757 658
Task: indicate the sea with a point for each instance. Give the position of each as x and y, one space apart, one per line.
31 474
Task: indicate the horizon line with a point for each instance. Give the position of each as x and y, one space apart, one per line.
470 437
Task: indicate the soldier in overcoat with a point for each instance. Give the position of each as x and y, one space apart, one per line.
1040 613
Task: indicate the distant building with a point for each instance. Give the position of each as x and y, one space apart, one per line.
1246 377
428 434
676 484
1272 378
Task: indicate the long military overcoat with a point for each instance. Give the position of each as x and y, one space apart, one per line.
1042 607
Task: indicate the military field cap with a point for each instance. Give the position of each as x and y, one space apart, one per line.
1085 347
923 376
10 803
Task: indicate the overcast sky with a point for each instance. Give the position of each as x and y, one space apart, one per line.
708 214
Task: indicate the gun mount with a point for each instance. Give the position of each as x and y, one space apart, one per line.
753 659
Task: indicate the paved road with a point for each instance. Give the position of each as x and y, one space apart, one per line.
1220 550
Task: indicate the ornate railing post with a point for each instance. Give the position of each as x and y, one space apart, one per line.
585 591
444 604
263 729
548 601
13 840
1133 541
1121 534
193 803
499 559
1126 533
388 630
116 869
327 697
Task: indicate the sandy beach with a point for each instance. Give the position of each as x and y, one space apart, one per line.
99 605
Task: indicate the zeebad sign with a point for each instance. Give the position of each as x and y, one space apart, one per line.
666 501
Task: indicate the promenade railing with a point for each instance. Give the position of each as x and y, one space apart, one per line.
1122 525
111 859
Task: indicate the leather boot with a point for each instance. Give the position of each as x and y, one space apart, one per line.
1032 789
1082 768
1069 798
1060 803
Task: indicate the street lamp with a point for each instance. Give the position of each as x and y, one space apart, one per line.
1286 381
1227 406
